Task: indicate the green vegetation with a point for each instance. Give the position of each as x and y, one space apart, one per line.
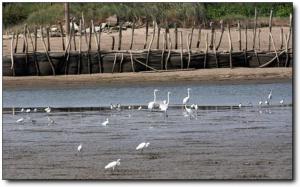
182 13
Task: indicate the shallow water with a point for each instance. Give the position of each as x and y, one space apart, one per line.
212 94
219 142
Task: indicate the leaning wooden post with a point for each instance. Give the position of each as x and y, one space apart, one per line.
206 50
239 36
98 47
35 39
120 36
113 43
230 46
162 53
181 50
199 36
273 44
176 36
84 30
12 55
26 43
89 50
132 35
62 36
166 37
80 37
48 39
169 52
158 35
246 44
189 50
74 36
212 35
146 38
17 39
259 30
254 29
288 41
270 28
99 38
191 38
34 52
24 38
222 31
149 48
47 54
281 37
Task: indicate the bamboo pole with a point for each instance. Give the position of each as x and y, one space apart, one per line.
270 28
230 46
151 41
199 36
239 36
221 36
146 38
12 67
158 35
254 30
176 36
62 36
181 49
48 39
46 51
132 35
17 39
80 38
120 36
212 35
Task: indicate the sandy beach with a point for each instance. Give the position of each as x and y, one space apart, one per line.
203 76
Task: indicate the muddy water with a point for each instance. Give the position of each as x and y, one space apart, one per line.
218 143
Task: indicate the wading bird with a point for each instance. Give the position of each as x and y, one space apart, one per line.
165 105
240 105
48 109
35 110
270 95
152 104
186 99
281 101
260 103
51 121
113 164
28 110
142 145
105 122
140 107
22 110
21 120
79 148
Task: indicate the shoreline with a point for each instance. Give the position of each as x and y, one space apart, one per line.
202 76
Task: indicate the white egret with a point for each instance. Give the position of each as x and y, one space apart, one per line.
105 122
21 120
165 105
152 104
51 121
79 148
35 110
188 110
28 110
142 146
186 99
270 95
112 106
140 107
22 110
240 105
129 107
48 109
267 102
113 164
260 103
281 101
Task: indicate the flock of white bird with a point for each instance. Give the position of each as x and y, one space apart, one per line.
155 104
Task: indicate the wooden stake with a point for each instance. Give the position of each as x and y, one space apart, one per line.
254 30
162 53
24 38
35 39
122 58
132 35
90 39
169 53
17 39
48 39
84 30
158 35
34 51
191 38
239 36
176 36
74 36
151 41
181 49
199 36
12 67
99 38
47 54
114 64
146 38
230 46
288 42
80 38
212 35
113 43
270 28
98 47
281 37
246 37
189 50
132 62
273 43
259 30
62 36
120 36
221 36
206 50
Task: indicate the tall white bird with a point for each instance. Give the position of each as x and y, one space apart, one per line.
186 99
142 146
21 120
48 109
113 164
270 95
151 104
105 122
281 101
165 105
79 148
188 110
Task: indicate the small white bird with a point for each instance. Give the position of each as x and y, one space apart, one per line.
240 105
260 103
140 108
118 106
165 105
186 99
129 107
281 101
188 110
105 122
194 106
28 110
142 145
51 121
112 106
35 110
21 120
270 95
267 102
79 148
113 164
48 109
22 110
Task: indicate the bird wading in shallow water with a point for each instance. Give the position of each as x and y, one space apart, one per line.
113 164
186 99
105 122
142 146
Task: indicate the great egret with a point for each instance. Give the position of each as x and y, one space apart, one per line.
105 122
113 164
129 107
51 121
35 110
188 110
142 145
22 110
152 104
21 120
270 95
164 106
48 109
140 107
186 99
79 148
